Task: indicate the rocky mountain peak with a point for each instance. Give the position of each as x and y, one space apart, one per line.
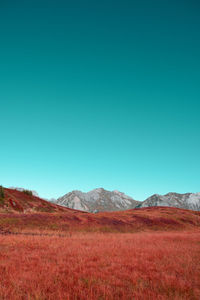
98 199
187 200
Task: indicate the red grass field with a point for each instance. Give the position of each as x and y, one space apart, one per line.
158 265
49 252
134 220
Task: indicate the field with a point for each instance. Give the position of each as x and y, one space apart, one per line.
147 265
48 252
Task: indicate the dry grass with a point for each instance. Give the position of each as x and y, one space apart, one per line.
156 265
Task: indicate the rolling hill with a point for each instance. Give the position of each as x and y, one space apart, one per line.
24 202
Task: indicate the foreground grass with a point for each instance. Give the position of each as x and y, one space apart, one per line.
101 266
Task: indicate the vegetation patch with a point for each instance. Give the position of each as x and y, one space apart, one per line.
27 192
2 201
2 195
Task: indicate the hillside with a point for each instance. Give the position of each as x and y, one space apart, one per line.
18 201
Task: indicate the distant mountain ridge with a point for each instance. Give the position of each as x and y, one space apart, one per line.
99 200
187 201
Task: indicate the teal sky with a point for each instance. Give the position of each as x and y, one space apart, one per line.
100 94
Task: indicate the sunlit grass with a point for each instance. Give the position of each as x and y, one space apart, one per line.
101 266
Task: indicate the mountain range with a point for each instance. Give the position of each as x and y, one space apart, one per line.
187 201
99 200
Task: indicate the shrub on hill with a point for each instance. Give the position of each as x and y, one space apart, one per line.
1 192
2 195
27 192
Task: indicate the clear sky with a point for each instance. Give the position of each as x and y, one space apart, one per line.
100 94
